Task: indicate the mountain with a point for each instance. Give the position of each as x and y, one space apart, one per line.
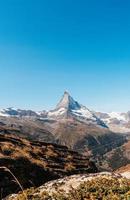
79 128
117 122
69 108
69 123
37 147
66 108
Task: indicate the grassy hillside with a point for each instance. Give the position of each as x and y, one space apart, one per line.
34 163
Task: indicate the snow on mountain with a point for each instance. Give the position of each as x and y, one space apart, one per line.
68 102
117 122
14 112
115 116
68 107
84 112
8 112
57 112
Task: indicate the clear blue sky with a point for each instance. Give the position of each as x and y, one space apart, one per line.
49 46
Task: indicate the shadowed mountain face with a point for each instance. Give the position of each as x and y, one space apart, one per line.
34 163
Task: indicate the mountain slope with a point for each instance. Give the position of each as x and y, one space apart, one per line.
34 163
26 127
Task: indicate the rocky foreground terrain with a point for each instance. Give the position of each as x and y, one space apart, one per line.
101 186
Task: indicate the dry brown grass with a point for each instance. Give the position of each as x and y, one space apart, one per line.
50 152
7 148
35 163
69 166
69 157
99 188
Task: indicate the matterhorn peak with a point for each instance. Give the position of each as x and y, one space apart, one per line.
69 108
68 102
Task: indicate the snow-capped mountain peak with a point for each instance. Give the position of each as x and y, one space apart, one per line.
68 107
68 102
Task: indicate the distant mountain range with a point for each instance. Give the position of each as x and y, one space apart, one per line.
69 108
117 122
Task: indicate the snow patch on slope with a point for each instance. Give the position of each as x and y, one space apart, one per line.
84 112
117 122
118 116
58 112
